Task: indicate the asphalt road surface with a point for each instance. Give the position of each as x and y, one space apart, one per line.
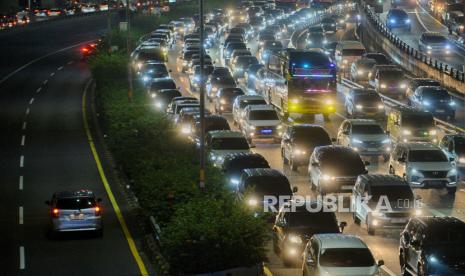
44 149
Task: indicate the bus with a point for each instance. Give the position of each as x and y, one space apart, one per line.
301 82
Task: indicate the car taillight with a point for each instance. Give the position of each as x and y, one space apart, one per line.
98 211
84 50
55 212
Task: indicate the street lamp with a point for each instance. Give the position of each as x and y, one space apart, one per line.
202 100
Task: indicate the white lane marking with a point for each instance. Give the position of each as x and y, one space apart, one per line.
70 62
21 161
421 21
60 68
39 89
52 74
21 182
31 101
45 82
40 58
28 110
23 140
24 125
388 271
22 261
21 213
427 13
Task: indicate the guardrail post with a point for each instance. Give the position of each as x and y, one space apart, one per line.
436 63
445 67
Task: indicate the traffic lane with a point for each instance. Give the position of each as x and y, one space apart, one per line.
58 159
14 102
21 46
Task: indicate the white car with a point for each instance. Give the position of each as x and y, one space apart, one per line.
365 136
261 122
338 254
241 102
424 166
219 143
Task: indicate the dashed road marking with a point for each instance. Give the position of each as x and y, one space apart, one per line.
39 89
24 125
45 82
70 62
31 101
23 140
28 110
21 161
52 74
60 68
21 215
21 182
22 261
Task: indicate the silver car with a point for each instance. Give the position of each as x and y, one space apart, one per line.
75 211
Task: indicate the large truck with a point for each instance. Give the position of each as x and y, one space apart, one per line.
301 82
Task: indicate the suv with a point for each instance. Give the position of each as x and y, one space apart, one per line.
433 246
388 80
365 136
338 254
299 141
293 229
158 84
370 189
347 52
212 123
434 99
417 82
235 163
261 122
222 142
411 125
241 102
360 69
75 211
397 18
334 169
424 166
454 146
364 103
225 99
215 84
434 43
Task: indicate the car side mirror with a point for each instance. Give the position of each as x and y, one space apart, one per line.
401 159
170 70
334 140
48 202
309 261
406 237
315 164
99 199
295 189
380 263
342 225
452 159
367 163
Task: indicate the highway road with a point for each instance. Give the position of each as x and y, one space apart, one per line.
44 149
385 244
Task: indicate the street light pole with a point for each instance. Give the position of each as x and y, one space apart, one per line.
202 100
128 50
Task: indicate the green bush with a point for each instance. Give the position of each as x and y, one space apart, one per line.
208 235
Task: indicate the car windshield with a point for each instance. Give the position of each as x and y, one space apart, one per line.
380 59
427 156
237 166
325 220
312 136
158 85
366 64
435 39
396 75
392 192
418 121
263 115
454 234
75 203
368 99
353 52
341 163
230 143
269 185
346 257
366 129
436 94
317 59
245 103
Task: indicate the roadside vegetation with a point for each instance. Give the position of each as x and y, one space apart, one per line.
201 231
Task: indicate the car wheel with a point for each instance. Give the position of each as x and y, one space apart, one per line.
355 218
370 229
452 190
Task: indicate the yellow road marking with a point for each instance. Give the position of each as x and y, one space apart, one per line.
119 215
267 271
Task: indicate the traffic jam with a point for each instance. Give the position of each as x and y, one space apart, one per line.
291 137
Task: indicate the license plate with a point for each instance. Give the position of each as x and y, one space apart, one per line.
266 131
76 217
440 110
373 149
398 220
346 187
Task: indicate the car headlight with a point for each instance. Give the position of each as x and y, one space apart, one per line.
432 259
252 202
295 101
328 101
309 42
295 239
462 160
433 132
327 177
380 106
452 172
426 103
392 21
360 72
407 21
325 41
252 127
145 79
158 105
452 103
213 157
356 141
279 127
406 132
222 101
447 46
234 181
153 95
429 47
403 86
299 152
185 130
386 141
359 106
383 86
418 212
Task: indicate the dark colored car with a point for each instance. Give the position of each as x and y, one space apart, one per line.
380 58
434 99
215 84
433 246
164 97
235 163
159 84
364 103
398 18
417 82
212 123
225 99
299 141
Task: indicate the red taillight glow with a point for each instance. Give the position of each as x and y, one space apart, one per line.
97 211
85 50
55 212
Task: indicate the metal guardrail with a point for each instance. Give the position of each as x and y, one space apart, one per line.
445 126
433 63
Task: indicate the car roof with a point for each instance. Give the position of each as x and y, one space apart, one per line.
420 146
352 44
383 180
339 241
440 222
249 97
264 172
72 194
244 155
431 88
363 91
333 149
260 107
410 110
225 134
363 122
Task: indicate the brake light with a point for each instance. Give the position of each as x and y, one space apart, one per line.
98 211
55 212
85 50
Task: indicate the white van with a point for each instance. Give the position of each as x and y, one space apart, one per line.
348 52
